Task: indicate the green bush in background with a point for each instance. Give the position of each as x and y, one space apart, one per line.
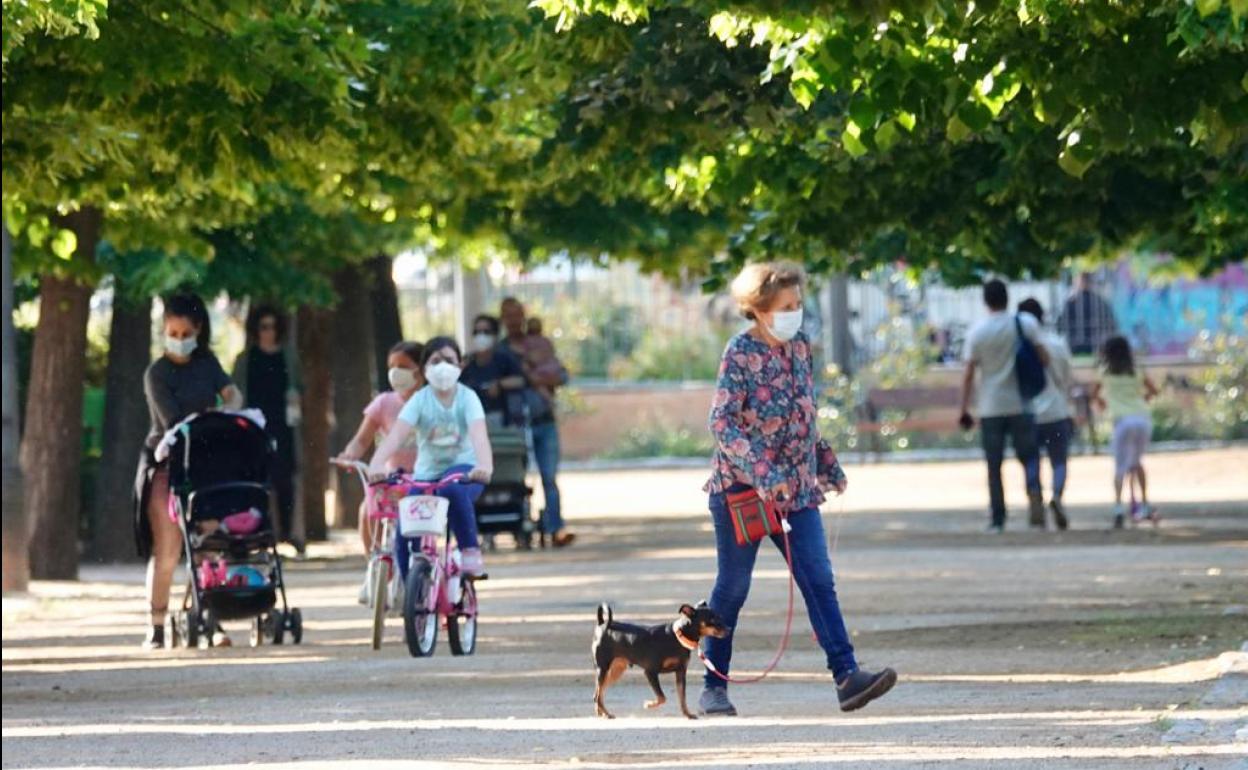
657 440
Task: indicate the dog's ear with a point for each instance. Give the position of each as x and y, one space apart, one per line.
687 610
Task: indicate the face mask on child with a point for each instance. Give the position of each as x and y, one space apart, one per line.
483 341
786 324
181 348
401 380
442 375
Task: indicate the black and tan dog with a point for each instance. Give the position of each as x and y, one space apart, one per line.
654 649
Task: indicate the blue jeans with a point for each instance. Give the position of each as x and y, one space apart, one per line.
1021 429
1055 438
812 569
546 453
461 515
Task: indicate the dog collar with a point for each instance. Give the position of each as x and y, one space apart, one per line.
685 641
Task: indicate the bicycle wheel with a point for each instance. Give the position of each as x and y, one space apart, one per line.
377 594
461 628
420 626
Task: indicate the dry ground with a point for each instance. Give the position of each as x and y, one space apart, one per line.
1089 649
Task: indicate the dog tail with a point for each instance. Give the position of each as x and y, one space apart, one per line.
604 614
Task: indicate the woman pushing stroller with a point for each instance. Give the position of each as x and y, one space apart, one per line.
187 379
451 439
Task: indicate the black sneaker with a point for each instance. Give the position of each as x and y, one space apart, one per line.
861 687
155 638
714 703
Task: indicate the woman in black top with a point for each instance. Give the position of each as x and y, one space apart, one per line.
269 379
187 379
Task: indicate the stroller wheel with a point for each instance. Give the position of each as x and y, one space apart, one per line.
277 626
259 625
294 619
187 624
207 629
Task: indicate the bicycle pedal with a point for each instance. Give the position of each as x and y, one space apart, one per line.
476 578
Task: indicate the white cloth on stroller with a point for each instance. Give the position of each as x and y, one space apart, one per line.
166 442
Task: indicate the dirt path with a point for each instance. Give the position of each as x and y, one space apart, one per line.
1079 650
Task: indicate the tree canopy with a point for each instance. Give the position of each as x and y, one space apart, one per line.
1000 135
968 136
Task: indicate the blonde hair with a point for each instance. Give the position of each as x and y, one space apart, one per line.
757 286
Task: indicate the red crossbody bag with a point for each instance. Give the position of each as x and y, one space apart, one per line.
752 518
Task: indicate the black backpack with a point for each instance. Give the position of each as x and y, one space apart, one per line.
1028 367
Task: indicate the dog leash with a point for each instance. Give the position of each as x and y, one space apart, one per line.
788 620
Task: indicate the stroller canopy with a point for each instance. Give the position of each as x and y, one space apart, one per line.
218 448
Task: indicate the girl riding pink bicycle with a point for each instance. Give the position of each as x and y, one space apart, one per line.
451 440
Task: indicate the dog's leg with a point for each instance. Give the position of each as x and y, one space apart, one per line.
680 692
659 697
607 677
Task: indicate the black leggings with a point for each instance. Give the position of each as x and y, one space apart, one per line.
282 477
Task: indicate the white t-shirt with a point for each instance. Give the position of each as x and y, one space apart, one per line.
441 432
992 344
1053 403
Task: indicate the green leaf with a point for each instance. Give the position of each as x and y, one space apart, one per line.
863 112
957 130
1239 8
886 135
1206 7
906 120
976 116
852 144
1070 162
64 244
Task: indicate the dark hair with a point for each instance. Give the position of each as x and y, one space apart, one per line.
996 297
436 344
488 319
257 314
411 349
1116 355
1032 305
192 308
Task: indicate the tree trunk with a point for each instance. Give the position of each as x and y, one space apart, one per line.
314 330
52 444
16 567
353 376
387 323
125 426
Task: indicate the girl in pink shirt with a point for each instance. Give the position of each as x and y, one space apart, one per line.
380 415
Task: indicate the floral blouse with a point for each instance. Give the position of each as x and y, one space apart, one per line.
763 421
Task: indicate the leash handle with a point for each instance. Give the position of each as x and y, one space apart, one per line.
788 626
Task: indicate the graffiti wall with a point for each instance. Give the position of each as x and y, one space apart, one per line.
1163 316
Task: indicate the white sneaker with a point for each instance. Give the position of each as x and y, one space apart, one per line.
364 589
472 562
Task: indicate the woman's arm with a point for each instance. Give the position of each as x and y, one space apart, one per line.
1150 389
1095 398
479 436
361 441
389 445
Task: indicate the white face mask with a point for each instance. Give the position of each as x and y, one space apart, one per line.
401 379
442 375
786 324
181 348
483 342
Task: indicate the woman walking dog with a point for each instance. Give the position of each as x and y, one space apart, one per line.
763 421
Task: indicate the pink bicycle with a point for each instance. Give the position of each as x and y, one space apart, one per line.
437 588
381 578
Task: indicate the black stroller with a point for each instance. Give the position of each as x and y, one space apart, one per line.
504 505
218 483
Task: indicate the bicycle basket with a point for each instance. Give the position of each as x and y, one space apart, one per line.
422 515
